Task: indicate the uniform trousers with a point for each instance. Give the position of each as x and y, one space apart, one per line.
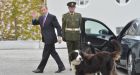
73 45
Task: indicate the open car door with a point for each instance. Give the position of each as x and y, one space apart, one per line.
95 32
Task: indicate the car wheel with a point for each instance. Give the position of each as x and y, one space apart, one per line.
130 65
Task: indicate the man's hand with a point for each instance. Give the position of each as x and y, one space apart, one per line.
34 14
59 39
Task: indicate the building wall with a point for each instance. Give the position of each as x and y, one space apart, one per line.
110 12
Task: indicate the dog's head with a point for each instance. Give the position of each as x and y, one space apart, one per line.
75 57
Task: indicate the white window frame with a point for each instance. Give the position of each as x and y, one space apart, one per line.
84 3
122 4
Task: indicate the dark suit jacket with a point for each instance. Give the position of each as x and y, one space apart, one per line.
48 30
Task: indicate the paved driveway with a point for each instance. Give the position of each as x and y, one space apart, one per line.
22 62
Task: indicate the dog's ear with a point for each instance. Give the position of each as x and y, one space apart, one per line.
72 56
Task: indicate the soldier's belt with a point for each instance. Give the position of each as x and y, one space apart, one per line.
73 29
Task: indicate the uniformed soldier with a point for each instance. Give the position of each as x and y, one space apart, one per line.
71 22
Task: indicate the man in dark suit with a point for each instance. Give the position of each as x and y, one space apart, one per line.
48 23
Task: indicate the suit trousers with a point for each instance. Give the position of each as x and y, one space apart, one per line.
49 49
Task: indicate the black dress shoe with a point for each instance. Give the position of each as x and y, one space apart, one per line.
37 71
60 70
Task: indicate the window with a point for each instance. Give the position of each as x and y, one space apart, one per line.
123 2
82 3
92 27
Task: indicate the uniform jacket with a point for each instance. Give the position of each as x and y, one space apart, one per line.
48 30
71 21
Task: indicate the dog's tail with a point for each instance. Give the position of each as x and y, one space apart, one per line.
117 49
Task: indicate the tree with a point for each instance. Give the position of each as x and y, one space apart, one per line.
15 19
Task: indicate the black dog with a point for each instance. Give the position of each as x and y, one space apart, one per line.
104 62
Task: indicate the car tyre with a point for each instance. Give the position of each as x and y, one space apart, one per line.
131 65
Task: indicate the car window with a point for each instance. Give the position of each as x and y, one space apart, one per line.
138 30
134 29
92 27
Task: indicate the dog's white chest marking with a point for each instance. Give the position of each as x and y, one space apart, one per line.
76 61
73 68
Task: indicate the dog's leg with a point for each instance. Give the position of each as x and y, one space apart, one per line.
114 70
95 73
105 70
89 74
79 73
99 73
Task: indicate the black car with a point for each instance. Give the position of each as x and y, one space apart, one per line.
99 35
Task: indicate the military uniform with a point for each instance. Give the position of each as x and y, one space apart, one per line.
71 29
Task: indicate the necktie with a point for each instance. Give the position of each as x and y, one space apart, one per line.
44 19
